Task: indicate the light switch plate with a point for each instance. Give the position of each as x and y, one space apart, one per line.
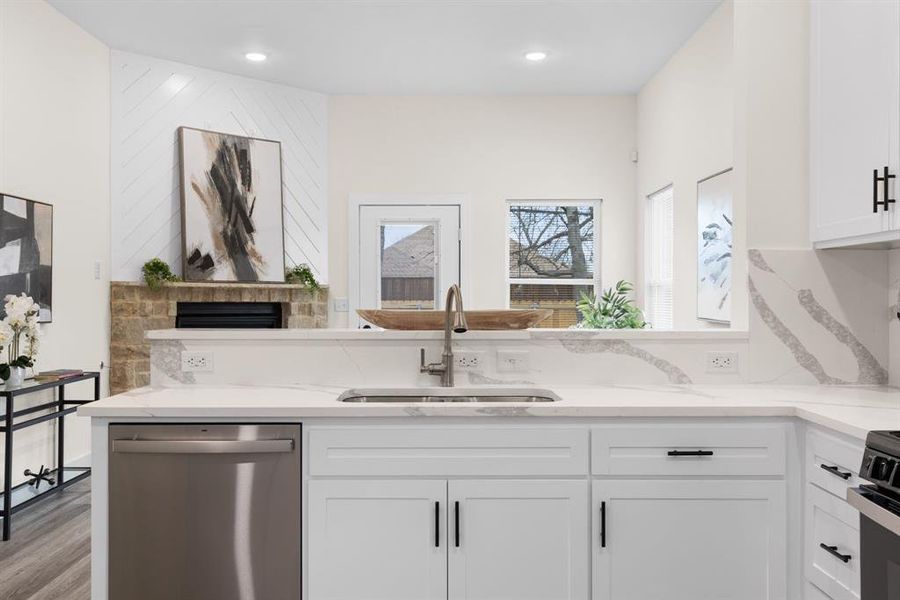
513 361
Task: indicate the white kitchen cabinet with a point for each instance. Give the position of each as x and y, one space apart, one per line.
377 540
689 540
855 119
832 465
832 545
518 540
389 540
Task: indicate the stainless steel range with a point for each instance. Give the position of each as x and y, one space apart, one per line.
879 510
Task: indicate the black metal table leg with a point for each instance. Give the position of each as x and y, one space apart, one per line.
61 437
7 468
60 407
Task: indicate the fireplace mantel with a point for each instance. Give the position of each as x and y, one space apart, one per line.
136 309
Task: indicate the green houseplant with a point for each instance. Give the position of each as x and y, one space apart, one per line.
156 272
612 310
302 274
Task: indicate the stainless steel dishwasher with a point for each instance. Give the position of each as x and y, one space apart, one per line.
204 512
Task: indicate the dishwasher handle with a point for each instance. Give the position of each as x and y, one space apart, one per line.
203 446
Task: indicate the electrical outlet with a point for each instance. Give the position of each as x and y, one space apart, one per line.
721 362
468 359
196 362
341 304
513 361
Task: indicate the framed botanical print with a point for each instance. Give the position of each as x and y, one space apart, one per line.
231 207
26 252
715 225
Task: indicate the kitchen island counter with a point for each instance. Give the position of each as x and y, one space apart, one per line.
852 410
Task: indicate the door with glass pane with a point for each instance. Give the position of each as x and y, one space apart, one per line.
408 255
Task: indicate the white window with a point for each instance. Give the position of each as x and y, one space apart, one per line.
659 235
552 258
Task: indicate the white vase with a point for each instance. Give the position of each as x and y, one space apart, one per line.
16 376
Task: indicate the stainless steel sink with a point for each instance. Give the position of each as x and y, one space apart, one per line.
444 395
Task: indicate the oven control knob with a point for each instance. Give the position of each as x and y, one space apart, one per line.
882 468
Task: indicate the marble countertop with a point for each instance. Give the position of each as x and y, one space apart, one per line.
852 410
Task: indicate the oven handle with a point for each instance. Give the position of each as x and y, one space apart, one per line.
887 519
202 446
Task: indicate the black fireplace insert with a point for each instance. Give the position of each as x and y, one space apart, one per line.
229 315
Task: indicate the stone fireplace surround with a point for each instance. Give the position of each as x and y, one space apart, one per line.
135 309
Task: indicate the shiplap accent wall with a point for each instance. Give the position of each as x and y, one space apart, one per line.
151 99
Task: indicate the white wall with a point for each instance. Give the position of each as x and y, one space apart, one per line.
54 147
685 133
771 56
493 149
151 98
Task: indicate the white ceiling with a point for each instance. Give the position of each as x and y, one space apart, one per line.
407 47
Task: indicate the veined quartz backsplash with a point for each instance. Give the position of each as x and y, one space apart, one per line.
815 318
818 316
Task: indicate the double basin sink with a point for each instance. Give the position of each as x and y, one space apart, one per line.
447 395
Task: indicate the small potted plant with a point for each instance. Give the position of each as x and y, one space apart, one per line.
303 275
156 273
20 335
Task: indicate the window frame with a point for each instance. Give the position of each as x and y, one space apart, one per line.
648 255
595 282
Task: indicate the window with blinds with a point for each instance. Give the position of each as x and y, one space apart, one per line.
551 258
659 231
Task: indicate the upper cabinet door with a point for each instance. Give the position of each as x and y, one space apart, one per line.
689 540
855 45
892 15
377 540
518 540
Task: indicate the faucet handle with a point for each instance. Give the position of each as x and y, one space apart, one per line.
422 367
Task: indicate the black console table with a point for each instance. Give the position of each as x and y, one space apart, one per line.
18 497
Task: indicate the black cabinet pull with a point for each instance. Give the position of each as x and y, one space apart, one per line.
832 550
437 524
690 453
603 524
887 193
885 181
456 522
875 201
836 471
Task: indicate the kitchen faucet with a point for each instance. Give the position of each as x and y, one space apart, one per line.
444 369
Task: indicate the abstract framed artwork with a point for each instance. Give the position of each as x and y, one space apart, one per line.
231 207
26 251
715 226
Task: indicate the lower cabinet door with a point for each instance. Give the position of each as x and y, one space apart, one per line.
377 540
518 540
689 540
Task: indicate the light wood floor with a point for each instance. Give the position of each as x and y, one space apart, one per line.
48 557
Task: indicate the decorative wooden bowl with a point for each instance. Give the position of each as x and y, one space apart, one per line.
421 320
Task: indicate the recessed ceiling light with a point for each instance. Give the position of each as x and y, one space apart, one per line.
255 56
535 56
